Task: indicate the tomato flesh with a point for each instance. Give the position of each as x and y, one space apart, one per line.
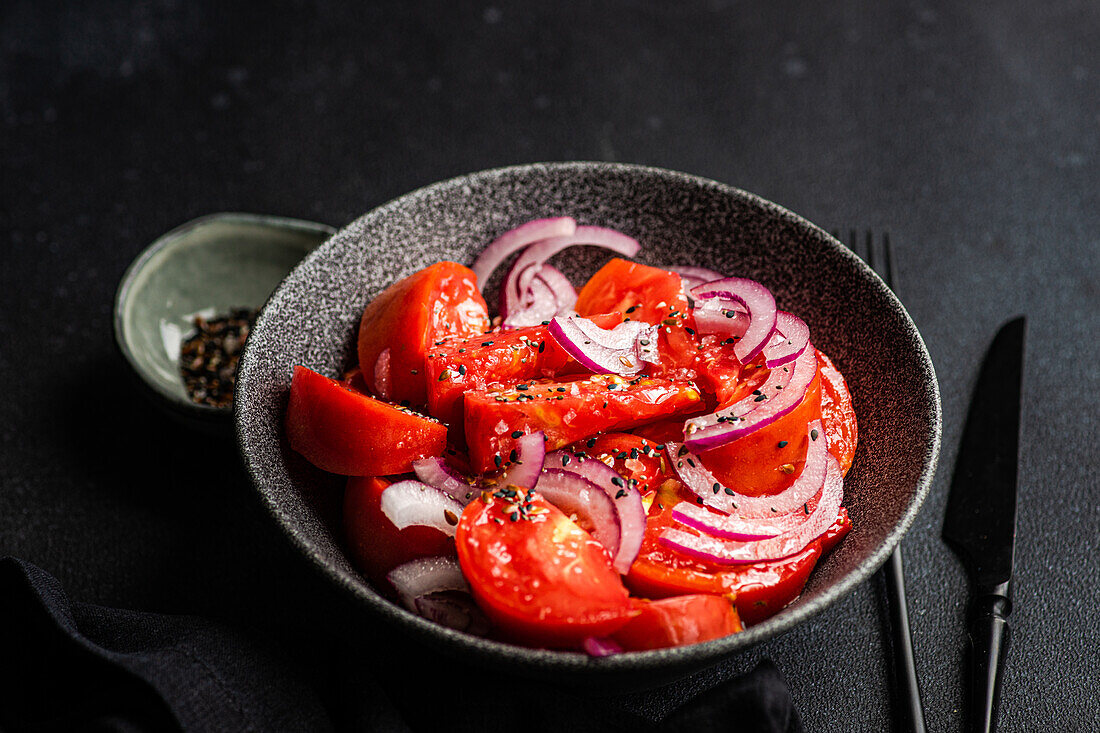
539 577
838 413
566 412
376 545
677 621
633 457
343 431
498 358
399 326
641 292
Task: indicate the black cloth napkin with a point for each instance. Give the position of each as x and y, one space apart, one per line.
75 666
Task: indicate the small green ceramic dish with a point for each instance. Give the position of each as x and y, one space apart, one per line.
206 266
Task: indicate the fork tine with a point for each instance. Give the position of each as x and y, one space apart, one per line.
889 267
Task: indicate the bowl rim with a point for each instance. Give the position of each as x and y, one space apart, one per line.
698 655
172 238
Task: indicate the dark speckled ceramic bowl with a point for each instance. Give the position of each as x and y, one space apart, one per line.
680 220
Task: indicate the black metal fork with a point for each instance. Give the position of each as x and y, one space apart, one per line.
879 254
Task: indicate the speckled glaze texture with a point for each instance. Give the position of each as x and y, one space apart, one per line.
680 220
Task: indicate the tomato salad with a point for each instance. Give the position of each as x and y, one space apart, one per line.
654 460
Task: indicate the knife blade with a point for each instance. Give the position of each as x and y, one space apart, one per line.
980 523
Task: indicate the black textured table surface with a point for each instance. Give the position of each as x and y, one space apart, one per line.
969 131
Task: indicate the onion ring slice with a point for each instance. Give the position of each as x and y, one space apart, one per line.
699 480
516 239
412 503
730 292
728 552
782 391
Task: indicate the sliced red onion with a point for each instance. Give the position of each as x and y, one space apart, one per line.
524 471
564 292
597 647
418 578
530 262
516 239
435 472
746 529
781 392
730 552
453 609
576 495
694 276
727 294
538 305
622 350
789 339
412 503
627 500
549 294
752 517
711 317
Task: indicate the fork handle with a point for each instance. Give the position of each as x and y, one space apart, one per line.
907 686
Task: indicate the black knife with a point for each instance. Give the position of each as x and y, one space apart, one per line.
980 524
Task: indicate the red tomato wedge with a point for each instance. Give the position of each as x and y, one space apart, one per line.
838 414
400 325
633 457
641 292
343 431
759 590
376 545
677 621
539 577
497 358
566 412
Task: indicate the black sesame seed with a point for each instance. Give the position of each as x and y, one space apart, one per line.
517 433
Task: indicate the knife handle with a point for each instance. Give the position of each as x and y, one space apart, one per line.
988 641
